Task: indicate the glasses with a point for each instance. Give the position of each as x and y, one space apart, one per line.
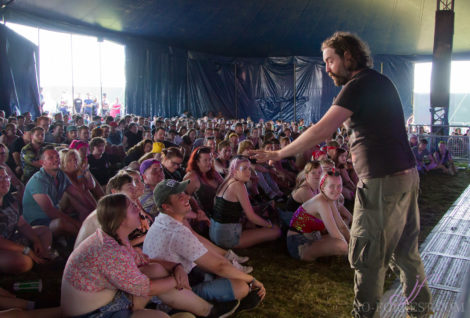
176 164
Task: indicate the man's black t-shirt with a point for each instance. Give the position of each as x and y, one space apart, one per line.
379 144
100 168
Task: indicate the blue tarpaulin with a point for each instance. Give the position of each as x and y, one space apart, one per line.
18 73
166 82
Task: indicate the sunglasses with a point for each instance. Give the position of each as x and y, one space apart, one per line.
333 173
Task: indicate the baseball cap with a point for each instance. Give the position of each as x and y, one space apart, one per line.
166 188
72 128
77 144
146 164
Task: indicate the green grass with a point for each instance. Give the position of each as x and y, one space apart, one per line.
323 288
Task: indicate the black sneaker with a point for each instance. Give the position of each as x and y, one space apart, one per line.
225 309
251 301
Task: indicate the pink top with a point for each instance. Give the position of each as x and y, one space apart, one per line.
99 262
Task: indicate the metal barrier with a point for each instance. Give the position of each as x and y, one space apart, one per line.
457 142
458 146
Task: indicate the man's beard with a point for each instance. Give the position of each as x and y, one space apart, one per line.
338 79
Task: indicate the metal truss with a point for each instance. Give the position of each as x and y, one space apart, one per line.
445 5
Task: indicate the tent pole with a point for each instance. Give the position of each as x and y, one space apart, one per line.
187 84
295 92
236 91
71 59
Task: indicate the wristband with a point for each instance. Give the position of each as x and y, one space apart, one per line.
250 284
26 250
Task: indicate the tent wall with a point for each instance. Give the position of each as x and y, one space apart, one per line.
165 82
19 89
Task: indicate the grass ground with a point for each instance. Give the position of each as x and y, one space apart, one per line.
323 288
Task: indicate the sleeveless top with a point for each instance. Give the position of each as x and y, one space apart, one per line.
205 196
303 222
227 211
291 204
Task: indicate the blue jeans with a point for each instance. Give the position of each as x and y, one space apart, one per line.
210 288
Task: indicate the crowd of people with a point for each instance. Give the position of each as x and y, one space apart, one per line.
152 207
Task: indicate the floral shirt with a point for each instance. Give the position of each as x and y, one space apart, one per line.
99 262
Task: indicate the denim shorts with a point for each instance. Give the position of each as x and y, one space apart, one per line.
209 287
119 307
226 235
297 240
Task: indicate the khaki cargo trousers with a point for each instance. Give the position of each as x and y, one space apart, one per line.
384 233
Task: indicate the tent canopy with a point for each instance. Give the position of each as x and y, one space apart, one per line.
252 28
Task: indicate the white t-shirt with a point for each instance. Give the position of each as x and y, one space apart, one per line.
169 240
89 226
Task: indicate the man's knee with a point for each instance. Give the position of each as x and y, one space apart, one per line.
240 288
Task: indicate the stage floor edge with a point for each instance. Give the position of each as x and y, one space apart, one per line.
446 258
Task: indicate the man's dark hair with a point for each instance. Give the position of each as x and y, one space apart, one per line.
44 149
423 141
95 142
345 41
37 128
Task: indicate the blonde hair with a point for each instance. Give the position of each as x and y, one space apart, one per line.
244 145
64 155
302 176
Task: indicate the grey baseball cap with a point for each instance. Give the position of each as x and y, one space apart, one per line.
166 188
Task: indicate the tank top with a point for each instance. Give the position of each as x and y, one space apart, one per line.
303 222
227 211
291 204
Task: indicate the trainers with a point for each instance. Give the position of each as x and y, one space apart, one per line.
231 256
244 269
251 301
225 309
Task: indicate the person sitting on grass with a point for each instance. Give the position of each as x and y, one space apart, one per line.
444 160
231 203
204 181
307 183
222 162
424 159
349 186
137 151
20 244
15 182
318 215
104 276
172 159
170 240
70 163
43 193
100 166
120 183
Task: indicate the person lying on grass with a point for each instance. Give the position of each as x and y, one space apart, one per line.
317 229
105 276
